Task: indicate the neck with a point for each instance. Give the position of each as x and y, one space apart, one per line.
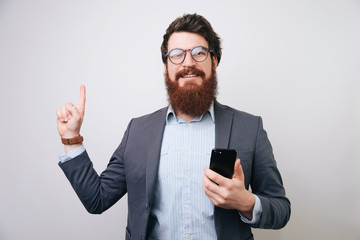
186 117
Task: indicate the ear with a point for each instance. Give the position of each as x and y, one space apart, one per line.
215 61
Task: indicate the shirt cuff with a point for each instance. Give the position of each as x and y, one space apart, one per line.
257 211
63 157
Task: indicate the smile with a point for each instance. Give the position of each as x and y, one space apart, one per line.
189 76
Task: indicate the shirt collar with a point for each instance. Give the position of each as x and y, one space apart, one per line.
171 113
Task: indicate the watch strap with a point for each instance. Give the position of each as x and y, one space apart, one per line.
74 140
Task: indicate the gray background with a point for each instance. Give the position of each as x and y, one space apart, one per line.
295 63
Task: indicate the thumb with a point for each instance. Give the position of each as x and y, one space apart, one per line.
238 171
82 98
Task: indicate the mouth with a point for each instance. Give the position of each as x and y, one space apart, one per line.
189 76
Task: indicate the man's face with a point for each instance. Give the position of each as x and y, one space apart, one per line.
191 85
187 40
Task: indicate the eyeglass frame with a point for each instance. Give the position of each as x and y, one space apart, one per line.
190 50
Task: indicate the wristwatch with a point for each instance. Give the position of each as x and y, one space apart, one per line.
74 140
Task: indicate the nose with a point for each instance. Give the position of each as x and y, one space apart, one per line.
188 61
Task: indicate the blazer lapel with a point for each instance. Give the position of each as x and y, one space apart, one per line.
223 124
154 148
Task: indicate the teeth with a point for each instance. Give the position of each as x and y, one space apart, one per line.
189 76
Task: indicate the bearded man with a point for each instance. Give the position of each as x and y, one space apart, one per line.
161 163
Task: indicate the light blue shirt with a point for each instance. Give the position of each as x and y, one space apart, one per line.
181 210
72 154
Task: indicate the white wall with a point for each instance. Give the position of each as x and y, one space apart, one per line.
295 63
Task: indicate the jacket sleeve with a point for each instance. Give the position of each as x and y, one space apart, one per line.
267 184
98 193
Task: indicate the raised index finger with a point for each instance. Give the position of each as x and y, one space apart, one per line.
82 99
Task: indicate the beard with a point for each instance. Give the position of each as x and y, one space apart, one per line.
191 99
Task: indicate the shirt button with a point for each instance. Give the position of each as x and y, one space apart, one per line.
187 207
188 236
187 124
187 178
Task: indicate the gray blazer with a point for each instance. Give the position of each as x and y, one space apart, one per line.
134 165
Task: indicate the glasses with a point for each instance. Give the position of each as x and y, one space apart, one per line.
177 55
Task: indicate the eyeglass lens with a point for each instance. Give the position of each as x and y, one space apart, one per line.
177 56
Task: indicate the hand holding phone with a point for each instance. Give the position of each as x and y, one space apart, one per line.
222 161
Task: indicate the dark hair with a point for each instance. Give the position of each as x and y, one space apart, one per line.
193 23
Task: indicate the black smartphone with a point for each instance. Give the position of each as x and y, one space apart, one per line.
222 161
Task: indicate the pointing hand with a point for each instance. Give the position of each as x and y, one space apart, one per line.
70 117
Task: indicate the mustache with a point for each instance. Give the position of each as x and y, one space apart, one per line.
190 71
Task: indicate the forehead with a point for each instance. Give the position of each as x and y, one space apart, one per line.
186 40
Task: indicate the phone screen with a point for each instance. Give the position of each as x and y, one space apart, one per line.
222 161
